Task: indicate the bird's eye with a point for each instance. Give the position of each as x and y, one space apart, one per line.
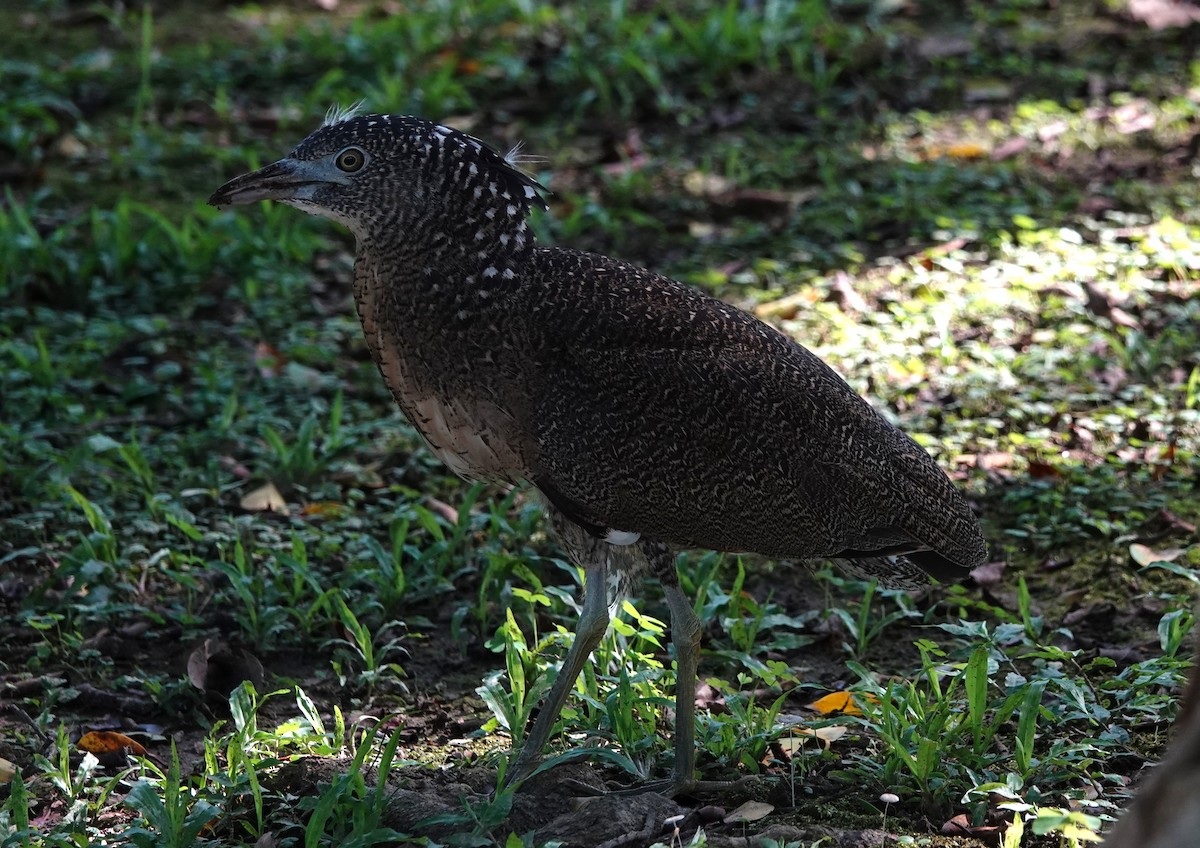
350 160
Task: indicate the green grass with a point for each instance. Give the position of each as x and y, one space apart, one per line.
1015 222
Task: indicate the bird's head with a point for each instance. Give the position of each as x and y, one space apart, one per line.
400 175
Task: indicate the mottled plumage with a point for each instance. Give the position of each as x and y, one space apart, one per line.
648 414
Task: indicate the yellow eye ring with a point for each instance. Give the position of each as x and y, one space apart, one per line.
350 160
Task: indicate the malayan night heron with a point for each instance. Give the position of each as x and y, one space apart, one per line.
650 416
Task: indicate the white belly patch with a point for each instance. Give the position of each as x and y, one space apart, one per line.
621 537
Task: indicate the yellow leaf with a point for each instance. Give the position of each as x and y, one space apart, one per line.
7 770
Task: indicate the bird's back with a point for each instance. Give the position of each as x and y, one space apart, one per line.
661 411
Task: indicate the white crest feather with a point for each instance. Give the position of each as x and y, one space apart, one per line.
337 114
516 159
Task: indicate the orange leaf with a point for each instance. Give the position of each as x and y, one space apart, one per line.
841 702
109 742
966 150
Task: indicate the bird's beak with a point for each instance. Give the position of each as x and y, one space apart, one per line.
287 179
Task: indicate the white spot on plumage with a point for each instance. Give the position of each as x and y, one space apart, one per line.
512 210
621 537
504 239
508 274
530 193
490 271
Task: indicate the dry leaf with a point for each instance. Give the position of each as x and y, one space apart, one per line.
323 509
825 735
1042 470
214 667
966 150
268 360
102 742
1164 14
751 811
841 292
786 307
841 703
1144 555
444 510
265 498
1010 148
7 770
989 573
960 825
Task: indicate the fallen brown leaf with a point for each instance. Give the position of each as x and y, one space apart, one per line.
751 811
216 668
990 573
103 742
841 292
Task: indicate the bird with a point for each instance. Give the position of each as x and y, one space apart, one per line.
651 417
1163 813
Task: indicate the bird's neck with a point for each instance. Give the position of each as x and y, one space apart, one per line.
431 324
417 281
473 242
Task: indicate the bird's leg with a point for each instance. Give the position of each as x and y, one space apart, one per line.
685 636
593 622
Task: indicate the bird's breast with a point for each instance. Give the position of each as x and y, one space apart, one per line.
444 375
473 439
